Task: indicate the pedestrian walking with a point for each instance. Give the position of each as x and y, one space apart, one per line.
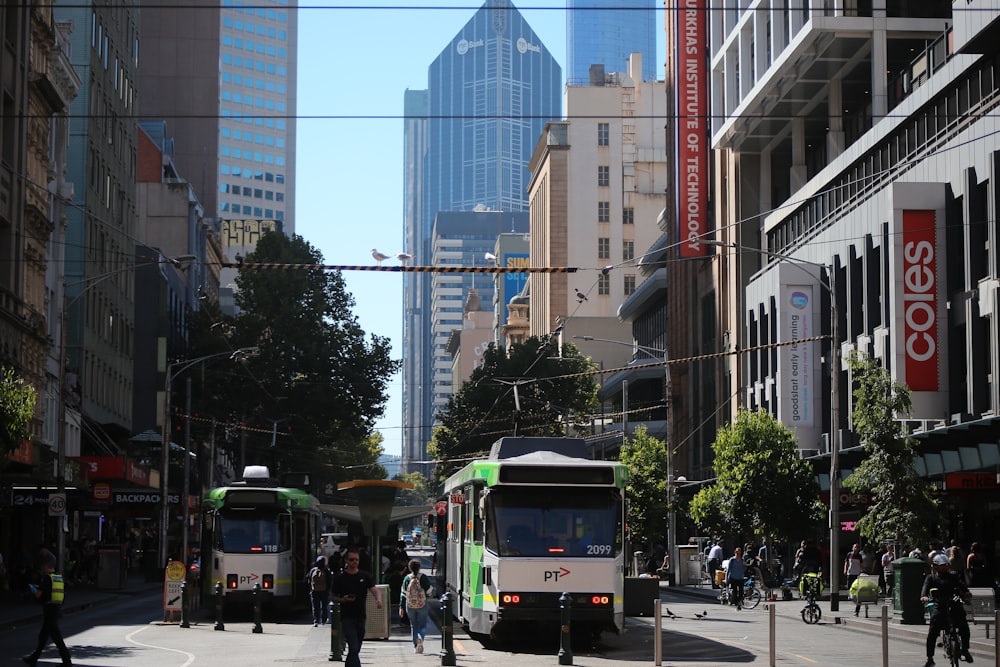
319 580
736 576
349 589
714 563
413 603
50 593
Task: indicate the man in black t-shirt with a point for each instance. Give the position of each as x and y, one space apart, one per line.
349 589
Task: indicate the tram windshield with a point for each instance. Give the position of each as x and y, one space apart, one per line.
253 531
564 522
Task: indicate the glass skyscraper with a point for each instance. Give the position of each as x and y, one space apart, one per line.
605 32
489 94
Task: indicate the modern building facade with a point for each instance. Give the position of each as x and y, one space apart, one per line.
489 94
100 233
234 122
463 239
606 32
861 206
597 187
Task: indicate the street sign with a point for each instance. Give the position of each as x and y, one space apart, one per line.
172 580
441 507
57 504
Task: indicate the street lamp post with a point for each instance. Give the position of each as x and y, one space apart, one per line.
180 262
667 440
830 287
182 365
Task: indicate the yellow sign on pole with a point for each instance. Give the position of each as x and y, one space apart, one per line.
172 580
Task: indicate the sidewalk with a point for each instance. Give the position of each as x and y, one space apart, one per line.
979 645
19 611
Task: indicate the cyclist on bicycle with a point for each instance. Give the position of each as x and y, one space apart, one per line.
947 585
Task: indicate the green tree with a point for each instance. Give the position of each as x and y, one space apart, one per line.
17 407
550 387
422 493
902 506
763 487
314 370
647 490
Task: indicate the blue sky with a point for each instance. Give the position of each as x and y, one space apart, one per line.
358 62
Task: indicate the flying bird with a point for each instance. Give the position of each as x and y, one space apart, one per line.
702 615
379 257
580 296
491 259
403 257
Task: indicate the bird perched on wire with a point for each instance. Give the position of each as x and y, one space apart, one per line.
379 257
403 257
491 259
580 296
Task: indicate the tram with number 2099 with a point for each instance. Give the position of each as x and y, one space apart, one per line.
256 532
533 521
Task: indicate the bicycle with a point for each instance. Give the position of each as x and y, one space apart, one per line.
751 594
811 613
950 638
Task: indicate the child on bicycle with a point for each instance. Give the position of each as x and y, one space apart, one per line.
945 586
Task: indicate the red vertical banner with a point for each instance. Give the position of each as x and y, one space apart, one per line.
691 84
921 283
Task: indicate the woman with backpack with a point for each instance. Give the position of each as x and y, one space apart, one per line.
318 579
413 603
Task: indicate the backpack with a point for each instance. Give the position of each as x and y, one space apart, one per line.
317 580
416 598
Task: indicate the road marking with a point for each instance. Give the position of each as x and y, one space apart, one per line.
129 638
458 646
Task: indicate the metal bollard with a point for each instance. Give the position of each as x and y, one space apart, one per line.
336 635
447 633
565 636
658 633
256 610
219 625
184 605
772 645
885 636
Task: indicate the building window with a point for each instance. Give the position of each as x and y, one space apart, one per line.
604 284
628 216
603 211
603 134
628 250
603 248
603 176
629 284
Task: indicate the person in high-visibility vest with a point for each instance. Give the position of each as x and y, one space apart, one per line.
50 593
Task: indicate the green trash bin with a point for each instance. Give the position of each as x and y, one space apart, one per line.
908 575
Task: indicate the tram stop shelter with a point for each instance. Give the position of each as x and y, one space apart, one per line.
375 510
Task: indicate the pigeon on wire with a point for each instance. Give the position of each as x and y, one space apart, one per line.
403 257
491 259
379 257
580 296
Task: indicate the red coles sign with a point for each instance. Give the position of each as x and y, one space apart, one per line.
920 288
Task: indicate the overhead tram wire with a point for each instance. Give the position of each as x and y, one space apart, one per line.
402 268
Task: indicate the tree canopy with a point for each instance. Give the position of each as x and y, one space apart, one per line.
17 407
763 487
901 505
647 490
549 388
309 392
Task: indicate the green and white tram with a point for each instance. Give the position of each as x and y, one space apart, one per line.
533 521
256 532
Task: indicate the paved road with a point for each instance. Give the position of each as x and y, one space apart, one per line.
131 632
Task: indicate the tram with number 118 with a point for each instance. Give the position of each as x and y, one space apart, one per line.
256 532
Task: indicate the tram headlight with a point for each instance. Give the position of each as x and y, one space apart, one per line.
268 582
232 580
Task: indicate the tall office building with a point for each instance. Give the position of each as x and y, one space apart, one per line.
605 32
233 122
489 94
